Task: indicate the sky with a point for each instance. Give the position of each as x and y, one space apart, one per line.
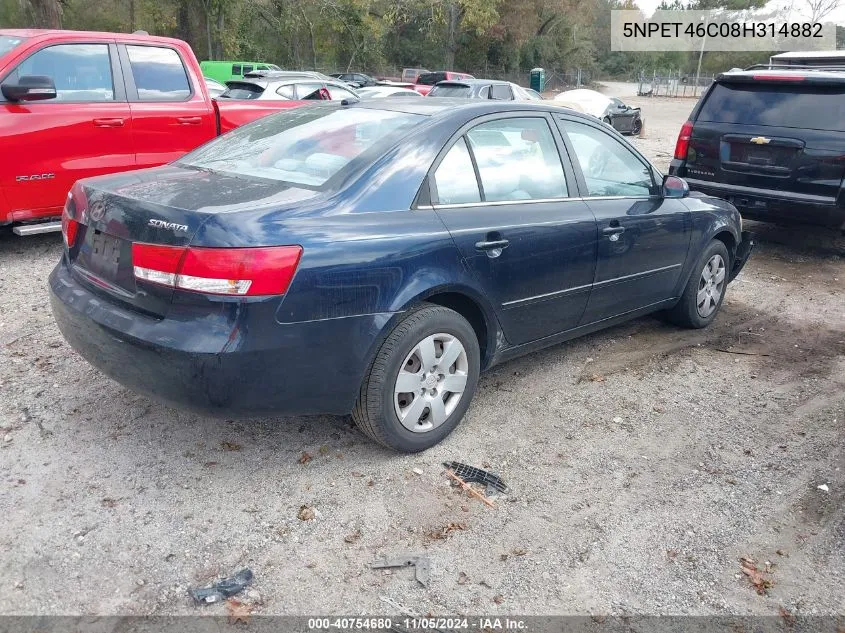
798 9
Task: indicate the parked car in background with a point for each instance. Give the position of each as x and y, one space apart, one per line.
76 104
227 71
356 80
409 75
611 110
771 142
426 80
373 258
288 89
215 88
380 92
287 74
480 89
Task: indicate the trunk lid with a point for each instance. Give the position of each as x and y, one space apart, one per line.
163 206
771 136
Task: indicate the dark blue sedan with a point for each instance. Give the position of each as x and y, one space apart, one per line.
373 258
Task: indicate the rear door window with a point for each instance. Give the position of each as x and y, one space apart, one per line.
455 177
247 69
818 107
81 72
517 159
451 90
429 79
236 70
242 90
501 92
159 73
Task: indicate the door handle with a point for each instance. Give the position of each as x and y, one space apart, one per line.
613 230
492 245
189 120
108 122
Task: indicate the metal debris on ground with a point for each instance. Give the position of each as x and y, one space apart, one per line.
464 485
472 474
223 588
421 565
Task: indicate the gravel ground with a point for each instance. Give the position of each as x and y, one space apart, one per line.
644 462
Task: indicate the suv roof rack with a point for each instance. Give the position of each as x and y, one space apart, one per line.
840 67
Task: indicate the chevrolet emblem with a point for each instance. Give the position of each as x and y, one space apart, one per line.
761 140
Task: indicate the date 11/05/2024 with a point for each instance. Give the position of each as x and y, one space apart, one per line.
417 624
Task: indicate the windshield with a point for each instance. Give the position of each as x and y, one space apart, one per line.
7 43
306 146
450 91
819 107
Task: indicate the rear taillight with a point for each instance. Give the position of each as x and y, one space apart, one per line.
778 77
682 145
70 227
219 271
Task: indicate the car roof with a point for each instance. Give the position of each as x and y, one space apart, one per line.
473 82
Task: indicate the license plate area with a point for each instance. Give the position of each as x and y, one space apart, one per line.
105 255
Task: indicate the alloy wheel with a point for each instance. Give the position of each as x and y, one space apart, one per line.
711 285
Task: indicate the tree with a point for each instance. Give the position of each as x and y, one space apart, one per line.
45 14
820 9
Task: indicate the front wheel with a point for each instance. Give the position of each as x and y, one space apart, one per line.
421 381
705 289
636 127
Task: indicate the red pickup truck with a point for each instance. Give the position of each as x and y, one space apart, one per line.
75 104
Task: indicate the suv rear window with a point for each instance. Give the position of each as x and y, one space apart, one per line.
809 107
242 90
429 79
450 90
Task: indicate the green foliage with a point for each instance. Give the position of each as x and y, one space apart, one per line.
495 37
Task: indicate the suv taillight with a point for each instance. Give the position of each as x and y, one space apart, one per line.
70 227
242 272
682 145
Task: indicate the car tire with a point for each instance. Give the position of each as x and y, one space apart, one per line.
705 290
388 416
636 127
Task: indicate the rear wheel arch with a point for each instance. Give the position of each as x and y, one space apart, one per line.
472 311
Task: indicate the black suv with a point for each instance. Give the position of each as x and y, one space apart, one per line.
772 142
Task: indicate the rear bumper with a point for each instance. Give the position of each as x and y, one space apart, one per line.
770 205
232 362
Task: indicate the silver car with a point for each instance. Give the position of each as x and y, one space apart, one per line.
289 89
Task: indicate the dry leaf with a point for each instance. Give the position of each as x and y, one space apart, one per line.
755 576
209 464
445 531
230 446
304 458
672 554
787 616
503 556
354 537
306 513
108 502
238 611
596 378
499 599
519 552
463 578
324 449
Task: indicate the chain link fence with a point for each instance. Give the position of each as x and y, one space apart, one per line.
672 83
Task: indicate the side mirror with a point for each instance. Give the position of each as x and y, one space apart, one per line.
30 88
674 187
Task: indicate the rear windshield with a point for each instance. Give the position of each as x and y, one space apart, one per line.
7 43
306 146
450 91
429 79
819 107
242 90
